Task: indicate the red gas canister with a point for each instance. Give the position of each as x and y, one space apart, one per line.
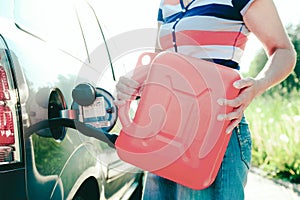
175 132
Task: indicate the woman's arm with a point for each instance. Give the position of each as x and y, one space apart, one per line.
263 21
157 47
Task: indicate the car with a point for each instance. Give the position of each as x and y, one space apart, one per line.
56 79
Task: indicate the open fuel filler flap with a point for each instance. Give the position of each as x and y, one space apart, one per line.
175 132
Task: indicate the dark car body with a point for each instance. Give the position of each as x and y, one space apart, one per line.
47 48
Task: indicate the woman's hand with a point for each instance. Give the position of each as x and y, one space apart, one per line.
281 58
131 84
127 89
248 91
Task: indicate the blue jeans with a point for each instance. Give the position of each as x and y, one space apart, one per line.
229 183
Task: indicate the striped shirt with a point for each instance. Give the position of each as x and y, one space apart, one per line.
206 29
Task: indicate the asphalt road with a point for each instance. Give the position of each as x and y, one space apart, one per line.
261 188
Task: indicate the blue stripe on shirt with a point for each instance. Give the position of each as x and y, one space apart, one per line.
227 63
213 10
160 16
240 4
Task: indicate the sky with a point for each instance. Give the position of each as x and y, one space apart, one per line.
143 14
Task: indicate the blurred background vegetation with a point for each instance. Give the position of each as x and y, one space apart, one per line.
274 120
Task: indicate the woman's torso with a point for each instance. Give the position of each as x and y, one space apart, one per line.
207 29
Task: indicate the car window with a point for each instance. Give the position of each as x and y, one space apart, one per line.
54 21
90 27
98 54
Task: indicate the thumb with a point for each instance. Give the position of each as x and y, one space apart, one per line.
243 83
119 102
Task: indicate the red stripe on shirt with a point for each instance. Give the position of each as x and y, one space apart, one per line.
196 37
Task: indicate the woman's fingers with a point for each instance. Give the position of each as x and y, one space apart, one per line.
239 104
126 88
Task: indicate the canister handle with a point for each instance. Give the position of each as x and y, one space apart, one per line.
140 75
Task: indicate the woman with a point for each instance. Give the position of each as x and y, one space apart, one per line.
218 31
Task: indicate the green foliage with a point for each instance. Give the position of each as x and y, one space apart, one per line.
275 120
294 33
292 81
258 63
274 123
